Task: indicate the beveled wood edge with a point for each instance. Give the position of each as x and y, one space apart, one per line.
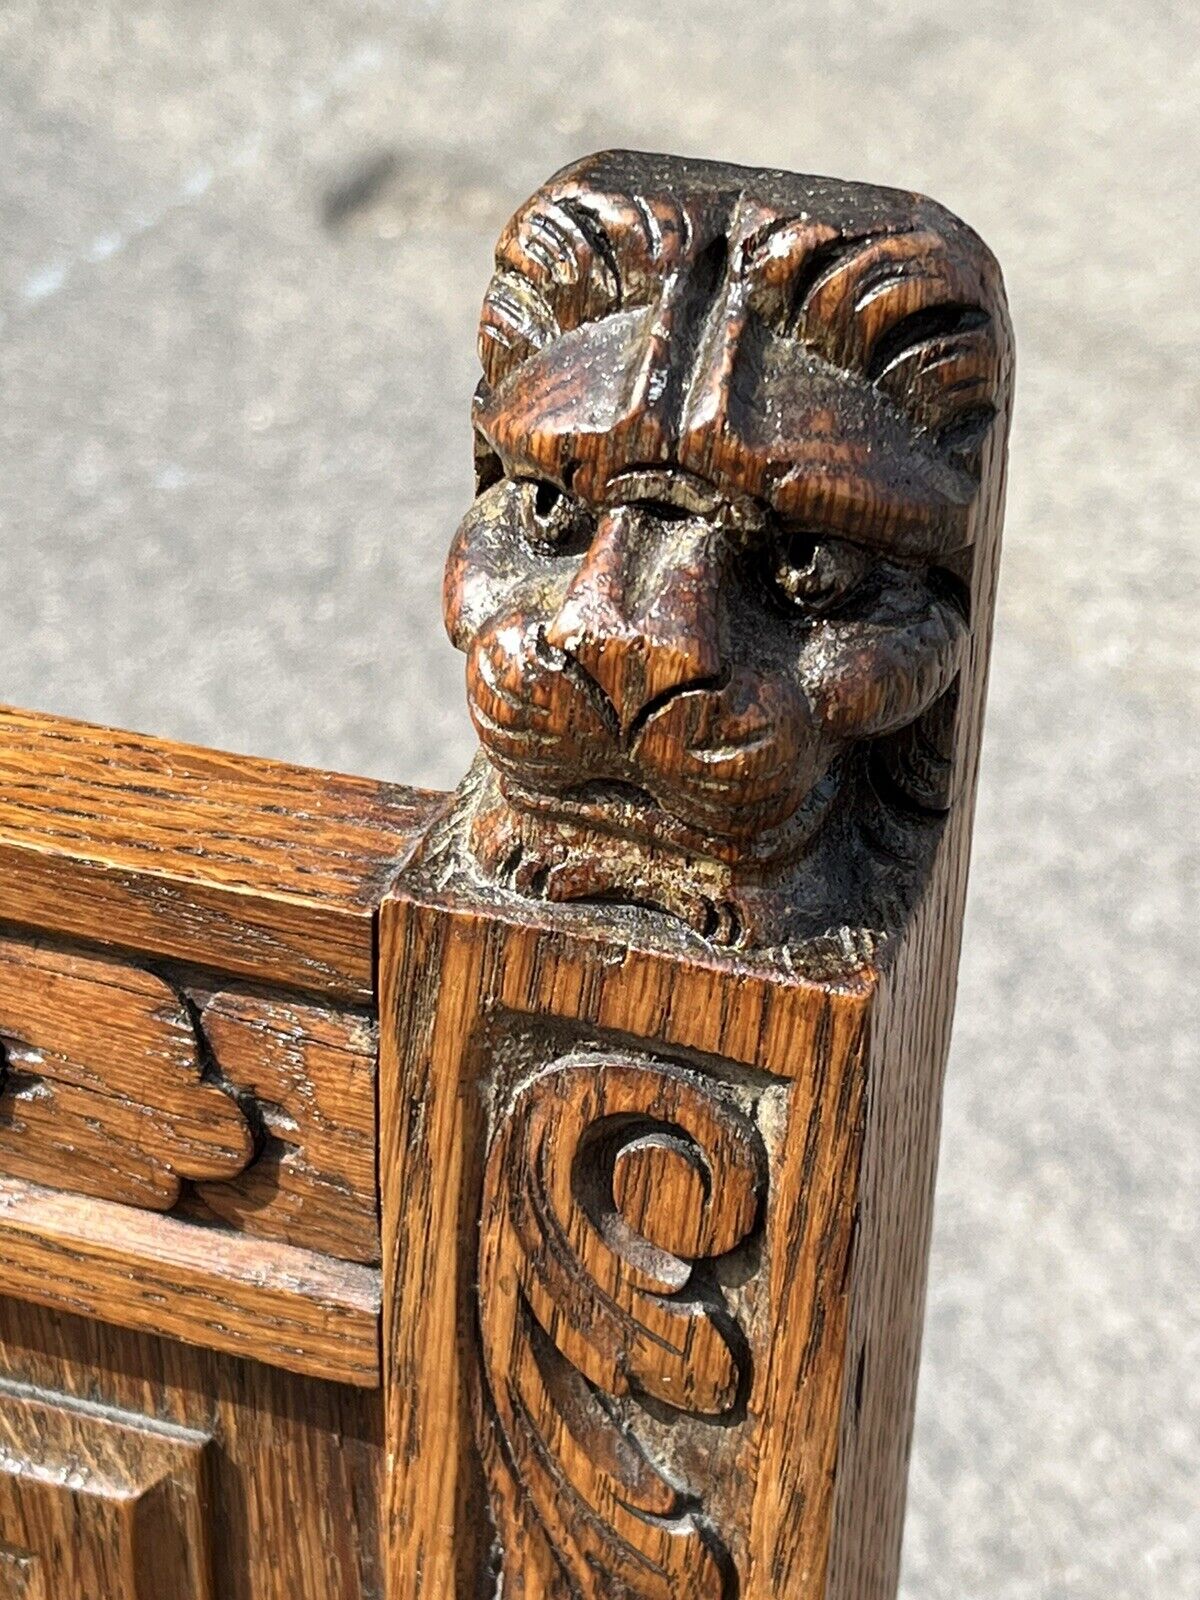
272 1303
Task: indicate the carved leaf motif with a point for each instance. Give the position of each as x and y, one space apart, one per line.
609 1186
103 1089
311 1073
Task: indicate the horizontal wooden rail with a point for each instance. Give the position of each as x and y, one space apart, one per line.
289 1308
187 1040
251 866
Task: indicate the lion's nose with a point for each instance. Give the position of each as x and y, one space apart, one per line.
642 614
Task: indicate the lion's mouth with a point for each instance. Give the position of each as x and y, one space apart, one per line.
626 810
607 802
611 792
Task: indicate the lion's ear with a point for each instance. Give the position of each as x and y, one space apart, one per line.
915 314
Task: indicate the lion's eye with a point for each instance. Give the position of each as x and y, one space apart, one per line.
814 573
554 521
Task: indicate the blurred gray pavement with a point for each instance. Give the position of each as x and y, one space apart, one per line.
242 249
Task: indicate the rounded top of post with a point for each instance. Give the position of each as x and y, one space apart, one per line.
738 434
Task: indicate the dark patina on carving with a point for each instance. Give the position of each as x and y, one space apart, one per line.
713 590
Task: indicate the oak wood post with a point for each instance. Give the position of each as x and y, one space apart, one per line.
665 995
661 994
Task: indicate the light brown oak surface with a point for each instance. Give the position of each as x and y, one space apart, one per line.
251 866
101 1503
287 1307
286 1496
312 1073
189 1328
559 1152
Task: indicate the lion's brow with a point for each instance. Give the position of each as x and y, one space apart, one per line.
816 265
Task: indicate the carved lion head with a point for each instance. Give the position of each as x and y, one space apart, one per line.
730 441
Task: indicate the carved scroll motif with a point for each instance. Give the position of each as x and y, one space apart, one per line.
612 1189
310 1074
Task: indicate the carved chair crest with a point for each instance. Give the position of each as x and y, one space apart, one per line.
528 1191
733 437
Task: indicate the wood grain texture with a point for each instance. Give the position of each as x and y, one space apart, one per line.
665 996
481 1009
607 1181
839 1082
250 866
22 1575
310 1073
911 1038
107 1504
291 1489
279 1305
434 1517
102 1088
250 1108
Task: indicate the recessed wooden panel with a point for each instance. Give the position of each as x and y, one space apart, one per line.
113 1507
291 1478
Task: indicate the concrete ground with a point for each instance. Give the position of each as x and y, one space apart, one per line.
241 252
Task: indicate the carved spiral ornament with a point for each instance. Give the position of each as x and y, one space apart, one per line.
611 1187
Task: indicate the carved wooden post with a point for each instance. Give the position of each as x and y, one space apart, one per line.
665 997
